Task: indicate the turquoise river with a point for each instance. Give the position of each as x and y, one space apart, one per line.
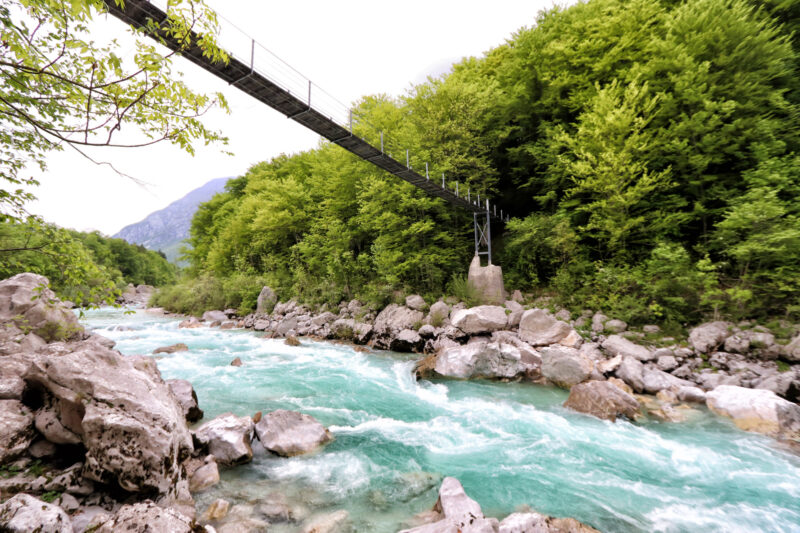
511 445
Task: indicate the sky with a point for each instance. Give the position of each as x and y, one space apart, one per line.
350 48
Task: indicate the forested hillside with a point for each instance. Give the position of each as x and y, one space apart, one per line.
85 268
647 151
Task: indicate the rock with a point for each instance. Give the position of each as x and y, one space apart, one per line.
631 371
603 400
236 362
25 514
204 477
667 363
454 503
392 320
13 368
227 437
756 410
266 301
572 340
191 322
33 342
322 319
705 338
516 313
274 508
147 516
427 331
524 523
651 328
621 385
607 366
792 350
655 380
125 416
214 316
415 302
16 429
481 319
291 340
779 383
261 325
564 366
487 281
737 343
618 345
539 328
517 296
187 399
615 326
335 522
438 313
289 433
42 448
598 321
179 347
217 510
407 340
691 394
486 360
26 301
286 326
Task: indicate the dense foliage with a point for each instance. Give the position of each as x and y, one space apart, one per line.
648 150
85 268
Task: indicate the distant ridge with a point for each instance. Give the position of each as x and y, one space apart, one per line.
166 228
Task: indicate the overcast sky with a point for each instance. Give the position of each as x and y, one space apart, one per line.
350 48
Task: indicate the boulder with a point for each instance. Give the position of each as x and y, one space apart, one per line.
172 348
217 510
618 345
598 322
615 326
407 340
539 328
237 361
26 301
324 318
124 414
459 513
631 371
291 340
335 522
516 312
147 516
25 514
667 363
392 320
564 366
438 313
227 437
536 523
707 337
737 343
187 399
791 352
487 281
415 302
207 475
480 319
11 371
427 331
286 326
603 400
266 301
16 429
214 316
691 394
289 433
757 410
654 380
486 360
572 340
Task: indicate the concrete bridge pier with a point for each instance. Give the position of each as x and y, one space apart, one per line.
486 280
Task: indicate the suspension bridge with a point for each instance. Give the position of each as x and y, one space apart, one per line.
256 71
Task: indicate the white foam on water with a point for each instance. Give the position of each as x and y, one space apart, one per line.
340 473
726 518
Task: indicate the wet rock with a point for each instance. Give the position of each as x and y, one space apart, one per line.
706 338
460 513
291 340
481 319
289 433
207 475
227 437
217 510
603 400
147 516
757 410
189 323
618 345
266 301
236 362
214 316
537 523
25 514
16 429
539 328
415 302
564 366
187 399
407 340
274 508
631 371
26 301
486 360
173 348
336 522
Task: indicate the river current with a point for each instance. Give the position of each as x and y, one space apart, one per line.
510 445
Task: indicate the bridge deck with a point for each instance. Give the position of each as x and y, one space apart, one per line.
137 12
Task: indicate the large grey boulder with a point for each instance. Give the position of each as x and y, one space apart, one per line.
516 313
415 302
539 328
16 429
486 360
12 369
187 399
565 366
289 433
631 371
227 437
487 282
266 301
480 319
655 380
459 512
618 345
25 514
26 301
438 313
214 316
391 321
791 351
757 410
407 340
147 516
120 409
603 400
707 337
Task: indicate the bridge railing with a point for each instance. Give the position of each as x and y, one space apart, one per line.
246 49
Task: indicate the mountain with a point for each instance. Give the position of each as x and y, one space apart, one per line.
166 229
